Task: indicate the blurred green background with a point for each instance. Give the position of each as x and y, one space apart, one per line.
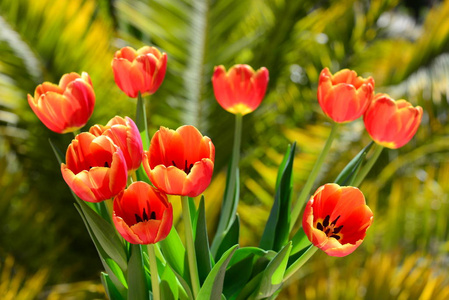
45 251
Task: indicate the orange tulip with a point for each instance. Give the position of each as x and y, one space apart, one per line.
95 169
142 214
125 134
336 219
241 89
344 97
139 71
180 162
390 123
65 107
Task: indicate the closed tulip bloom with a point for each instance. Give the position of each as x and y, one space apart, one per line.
336 219
139 71
180 162
241 89
142 214
95 167
65 107
390 123
125 134
344 97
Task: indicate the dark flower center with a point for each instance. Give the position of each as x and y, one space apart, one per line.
145 216
186 169
329 229
106 165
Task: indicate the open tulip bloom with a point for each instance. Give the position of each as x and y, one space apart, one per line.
135 236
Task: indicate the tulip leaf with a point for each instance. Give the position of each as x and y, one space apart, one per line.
168 285
202 243
228 209
213 285
175 253
105 233
276 232
113 270
231 237
273 275
183 283
349 173
297 260
249 288
299 242
137 281
110 288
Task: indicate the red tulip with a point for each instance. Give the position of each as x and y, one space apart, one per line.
241 89
390 123
125 134
95 169
65 107
180 162
139 71
336 219
343 96
142 214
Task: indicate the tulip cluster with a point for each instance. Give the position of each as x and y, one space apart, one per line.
345 97
110 162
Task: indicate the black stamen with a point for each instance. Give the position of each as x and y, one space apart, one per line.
337 230
326 221
106 164
90 167
138 218
327 231
145 217
173 162
319 226
185 167
337 237
335 221
190 167
153 216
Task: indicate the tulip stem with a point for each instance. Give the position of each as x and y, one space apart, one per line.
153 272
369 164
313 175
141 121
229 205
299 263
191 255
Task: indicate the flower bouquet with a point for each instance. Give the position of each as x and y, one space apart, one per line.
120 179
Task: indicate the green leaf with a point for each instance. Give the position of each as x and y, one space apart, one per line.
169 285
137 281
183 283
202 243
231 237
242 270
114 271
227 212
105 233
276 232
249 288
299 242
141 121
273 275
348 174
213 285
301 258
110 288
58 153
175 253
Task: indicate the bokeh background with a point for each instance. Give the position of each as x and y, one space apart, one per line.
45 251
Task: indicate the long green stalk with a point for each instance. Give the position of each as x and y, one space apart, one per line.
153 272
311 179
369 164
141 121
229 206
191 255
